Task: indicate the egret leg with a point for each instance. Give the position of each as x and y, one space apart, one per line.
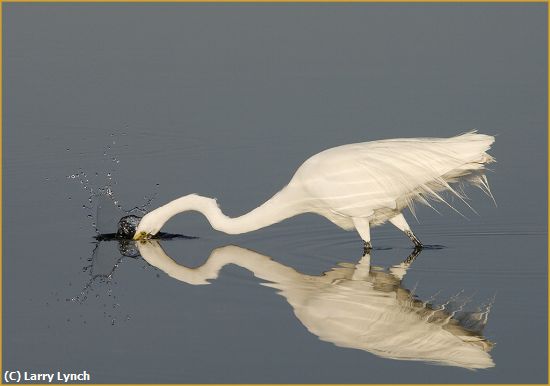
362 268
399 271
363 228
412 257
400 222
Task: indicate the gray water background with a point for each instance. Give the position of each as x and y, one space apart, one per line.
227 101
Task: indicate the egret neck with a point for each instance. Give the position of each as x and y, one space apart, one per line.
279 207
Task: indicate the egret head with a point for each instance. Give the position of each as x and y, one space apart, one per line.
147 227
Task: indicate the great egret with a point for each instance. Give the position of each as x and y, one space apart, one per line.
355 186
354 306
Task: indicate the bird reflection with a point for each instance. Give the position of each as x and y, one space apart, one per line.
354 306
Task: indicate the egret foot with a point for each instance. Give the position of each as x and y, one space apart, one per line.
367 246
417 243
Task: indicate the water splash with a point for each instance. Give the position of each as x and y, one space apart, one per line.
103 206
99 288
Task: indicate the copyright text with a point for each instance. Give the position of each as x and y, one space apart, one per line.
17 376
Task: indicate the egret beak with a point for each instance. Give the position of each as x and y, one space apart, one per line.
140 236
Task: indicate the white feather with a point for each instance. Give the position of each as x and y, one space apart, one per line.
378 179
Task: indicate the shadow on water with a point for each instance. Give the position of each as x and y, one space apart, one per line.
158 236
356 306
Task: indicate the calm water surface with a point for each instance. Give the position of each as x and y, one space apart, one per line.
149 102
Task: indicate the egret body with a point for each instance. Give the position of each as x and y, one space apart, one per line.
356 186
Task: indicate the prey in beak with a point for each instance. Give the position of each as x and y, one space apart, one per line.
141 236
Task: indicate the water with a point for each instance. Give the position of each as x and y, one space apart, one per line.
152 105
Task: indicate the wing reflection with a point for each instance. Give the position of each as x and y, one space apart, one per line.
354 306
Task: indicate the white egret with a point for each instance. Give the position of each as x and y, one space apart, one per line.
355 186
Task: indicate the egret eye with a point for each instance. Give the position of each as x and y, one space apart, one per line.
127 226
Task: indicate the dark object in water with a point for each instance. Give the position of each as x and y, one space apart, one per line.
128 248
127 228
